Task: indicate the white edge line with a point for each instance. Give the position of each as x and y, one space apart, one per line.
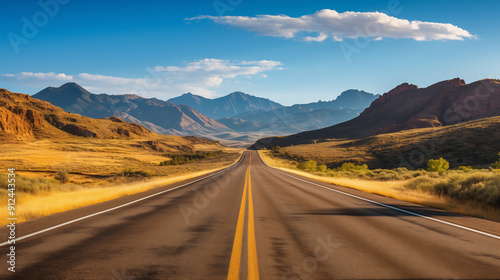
385 205
120 206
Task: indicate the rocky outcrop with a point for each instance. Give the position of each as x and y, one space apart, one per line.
405 87
20 121
22 116
408 107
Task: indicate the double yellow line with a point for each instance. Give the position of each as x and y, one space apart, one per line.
235 263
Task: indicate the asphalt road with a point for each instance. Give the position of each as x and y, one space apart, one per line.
253 221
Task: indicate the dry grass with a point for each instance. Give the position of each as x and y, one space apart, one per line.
31 206
95 168
97 161
401 190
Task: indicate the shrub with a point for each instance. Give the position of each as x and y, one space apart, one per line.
177 159
349 166
427 184
464 168
496 165
308 165
331 173
322 168
130 172
439 165
31 185
479 187
62 176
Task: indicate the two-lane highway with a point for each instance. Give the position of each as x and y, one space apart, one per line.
252 221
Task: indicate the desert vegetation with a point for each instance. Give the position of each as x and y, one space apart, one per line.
177 159
35 185
473 143
464 189
37 196
59 174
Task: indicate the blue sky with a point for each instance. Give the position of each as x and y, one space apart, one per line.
152 48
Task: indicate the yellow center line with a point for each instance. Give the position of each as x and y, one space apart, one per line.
235 263
253 266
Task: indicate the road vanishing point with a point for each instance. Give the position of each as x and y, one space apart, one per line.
251 221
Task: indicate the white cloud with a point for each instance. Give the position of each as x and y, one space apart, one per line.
199 77
338 26
320 38
29 78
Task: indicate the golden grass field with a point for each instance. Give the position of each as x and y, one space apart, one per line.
399 188
31 206
95 167
93 161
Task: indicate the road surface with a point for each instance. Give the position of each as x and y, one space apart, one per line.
252 221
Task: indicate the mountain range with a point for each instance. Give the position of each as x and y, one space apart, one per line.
236 119
408 107
227 106
158 115
301 117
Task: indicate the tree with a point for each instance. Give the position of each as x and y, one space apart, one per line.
439 165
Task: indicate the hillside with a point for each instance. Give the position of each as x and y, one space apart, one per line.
23 117
152 113
226 106
466 144
41 139
408 107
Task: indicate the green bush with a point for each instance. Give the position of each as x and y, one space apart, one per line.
308 165
479 187
465 168
423 183
349 166
322 168
439 165
177 159
496 165
130 172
